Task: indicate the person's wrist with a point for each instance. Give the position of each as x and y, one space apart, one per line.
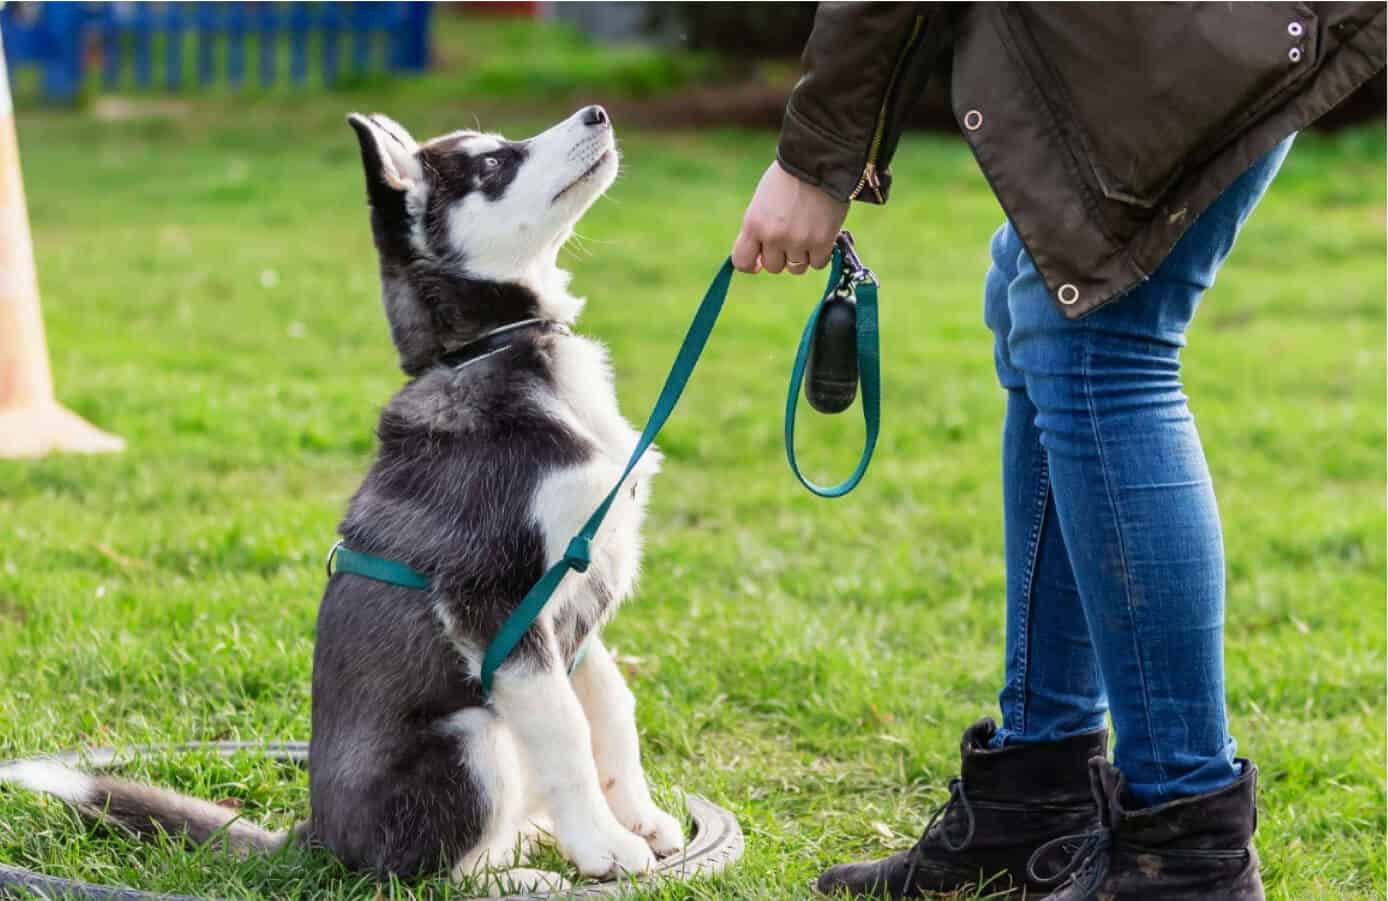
817 187
835 185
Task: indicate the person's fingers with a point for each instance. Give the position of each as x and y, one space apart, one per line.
820 256
798 262
746 250
773 258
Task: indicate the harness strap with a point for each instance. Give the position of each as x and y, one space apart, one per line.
345 560
342 559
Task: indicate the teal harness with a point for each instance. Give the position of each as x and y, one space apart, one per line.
848 278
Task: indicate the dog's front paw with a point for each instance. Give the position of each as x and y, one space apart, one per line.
660 830
604 852
635 810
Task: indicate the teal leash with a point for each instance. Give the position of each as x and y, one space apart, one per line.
856 282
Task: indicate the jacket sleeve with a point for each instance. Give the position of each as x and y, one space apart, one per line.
840 123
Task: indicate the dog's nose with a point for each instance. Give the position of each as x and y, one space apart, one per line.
595 116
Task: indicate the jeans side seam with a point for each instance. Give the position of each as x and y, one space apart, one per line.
1114 507
1033 558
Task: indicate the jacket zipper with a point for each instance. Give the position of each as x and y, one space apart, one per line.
870 177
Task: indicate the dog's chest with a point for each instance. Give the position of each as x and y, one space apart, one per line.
584 387
585 398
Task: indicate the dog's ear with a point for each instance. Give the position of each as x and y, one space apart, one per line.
389 156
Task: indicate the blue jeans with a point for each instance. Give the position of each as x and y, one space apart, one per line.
1115 559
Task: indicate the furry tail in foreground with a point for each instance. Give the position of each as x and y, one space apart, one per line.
143 809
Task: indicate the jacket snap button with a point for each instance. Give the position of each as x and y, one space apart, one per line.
1068 294
1294 29
973 120
1294 54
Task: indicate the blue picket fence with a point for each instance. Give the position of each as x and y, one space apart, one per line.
65 40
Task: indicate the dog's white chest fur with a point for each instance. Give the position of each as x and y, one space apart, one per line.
585 400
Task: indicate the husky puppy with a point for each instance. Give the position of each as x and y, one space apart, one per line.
492 455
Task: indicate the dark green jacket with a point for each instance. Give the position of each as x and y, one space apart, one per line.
1104 129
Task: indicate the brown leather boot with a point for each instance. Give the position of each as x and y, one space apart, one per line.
1007 803
1190 849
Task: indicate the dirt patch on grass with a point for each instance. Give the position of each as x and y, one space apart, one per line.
10 610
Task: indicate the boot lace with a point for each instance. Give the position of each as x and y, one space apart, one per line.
957 797
1086 866
1089 859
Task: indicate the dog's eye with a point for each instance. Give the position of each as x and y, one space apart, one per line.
491 162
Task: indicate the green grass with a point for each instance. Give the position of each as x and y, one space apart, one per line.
210 294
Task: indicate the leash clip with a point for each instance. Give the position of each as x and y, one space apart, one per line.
854 272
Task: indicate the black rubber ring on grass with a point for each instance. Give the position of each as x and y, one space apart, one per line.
715 844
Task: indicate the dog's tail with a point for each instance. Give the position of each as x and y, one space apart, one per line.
143 809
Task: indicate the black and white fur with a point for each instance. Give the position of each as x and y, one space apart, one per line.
484 473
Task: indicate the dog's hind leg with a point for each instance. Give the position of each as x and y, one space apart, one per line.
538 705
496 861
611 711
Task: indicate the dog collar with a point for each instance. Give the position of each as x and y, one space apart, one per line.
496 340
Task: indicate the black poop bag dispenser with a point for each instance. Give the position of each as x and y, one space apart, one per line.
831 374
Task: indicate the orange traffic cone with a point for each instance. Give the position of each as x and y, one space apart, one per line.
32 422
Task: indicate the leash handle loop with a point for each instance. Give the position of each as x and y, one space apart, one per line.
858 282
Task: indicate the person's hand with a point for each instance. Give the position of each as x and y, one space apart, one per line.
789 225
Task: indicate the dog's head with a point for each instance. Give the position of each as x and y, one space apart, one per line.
468 226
